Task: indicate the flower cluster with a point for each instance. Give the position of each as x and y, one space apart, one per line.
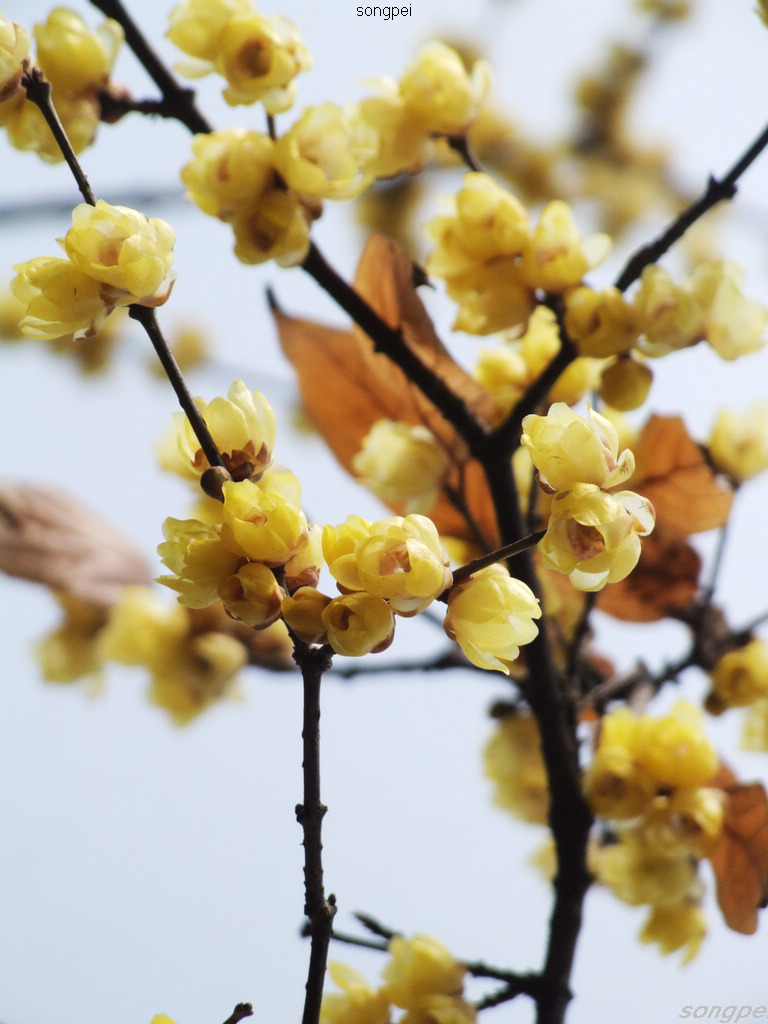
115 257
650 778
420 976
76 61
402 463
258 56
593 533
493 261
514 763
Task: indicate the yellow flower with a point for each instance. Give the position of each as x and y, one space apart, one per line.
601 323
490 615
73 649
441 1009
230 170
420 967
303 612
513 762
341 541
568 449
243 426
401 144
303 570
555 258
437 90
358 624
616 785
491 297
637 873
28 130
259 56
252 595
129 253
669 317
264 520
274 227
741 677
688 821
402 463
73 58
59 299
198 559
594 537
675 750
321 156
161 1018
14 50
678 926
739 441
358 1003
399 559
733 324
625 383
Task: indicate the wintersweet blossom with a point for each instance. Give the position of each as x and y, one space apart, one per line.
398 559
687 821
490 615
303 612
357 1003
242 425
128 252
198 560
28 130
264 520
400 141
679 926
258 56
14 50
438 91
323 154
402 463
594 537
274 227
229 170
601 323
252 595
567 448
733 324
738 443
616 784
740 677
74 58
420 967
669 316
59 299
358 624
514 763
638 873
555 257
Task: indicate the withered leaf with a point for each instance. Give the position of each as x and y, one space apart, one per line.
740 858
49 537
346 386
672 472
663 582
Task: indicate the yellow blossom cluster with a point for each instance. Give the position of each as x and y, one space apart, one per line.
258 56
652 779
420 976
116 256
740 678
493 261
76 61
593 533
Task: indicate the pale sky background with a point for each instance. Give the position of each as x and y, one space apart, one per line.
147 869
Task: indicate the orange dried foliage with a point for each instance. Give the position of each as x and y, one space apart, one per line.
346 386
740 859
672 472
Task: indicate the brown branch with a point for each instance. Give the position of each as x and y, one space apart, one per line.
179 100
241 1011
313 662
390 342
715 192
501 554
460 144
39 92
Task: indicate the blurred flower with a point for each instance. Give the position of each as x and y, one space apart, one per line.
402 463
438 91
514 763
14 50
678 926
59 299
75 59
420 967
738 443
357 1003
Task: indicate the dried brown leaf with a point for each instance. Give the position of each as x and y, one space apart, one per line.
663 582
740 859
672 472
49 537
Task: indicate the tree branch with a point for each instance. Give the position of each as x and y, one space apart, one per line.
313 662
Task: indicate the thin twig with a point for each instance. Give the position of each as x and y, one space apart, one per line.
715 192
39 92
460 144
178 98
313 662
241 1011
499 555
